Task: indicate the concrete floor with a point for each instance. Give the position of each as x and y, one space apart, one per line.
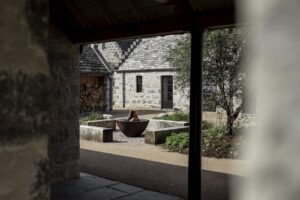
154 168
90 187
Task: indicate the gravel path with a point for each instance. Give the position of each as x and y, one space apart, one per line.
118 136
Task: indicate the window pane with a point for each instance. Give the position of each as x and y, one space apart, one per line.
139 84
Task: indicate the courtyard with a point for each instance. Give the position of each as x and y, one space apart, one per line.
132 161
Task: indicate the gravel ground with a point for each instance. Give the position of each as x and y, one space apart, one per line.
118 136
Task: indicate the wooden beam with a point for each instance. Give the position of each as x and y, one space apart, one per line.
157 27
77 14
137 11
180 3
107 13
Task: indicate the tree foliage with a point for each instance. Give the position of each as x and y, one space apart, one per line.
223 74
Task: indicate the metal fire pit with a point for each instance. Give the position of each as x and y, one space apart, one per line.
132 128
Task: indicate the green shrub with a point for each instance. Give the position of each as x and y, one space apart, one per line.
207 125
178 116
177 141
91 116
215 143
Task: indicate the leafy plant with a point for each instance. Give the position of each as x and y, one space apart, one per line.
177 141
91 116
215 142
207 125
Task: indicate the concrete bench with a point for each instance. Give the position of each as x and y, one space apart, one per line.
105 123
99 134
158 136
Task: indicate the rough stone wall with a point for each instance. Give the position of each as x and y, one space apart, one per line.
25 82
150 98
149 54
220 118
39 87
64 137
106 50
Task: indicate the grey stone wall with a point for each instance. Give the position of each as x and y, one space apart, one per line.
150 98
39 87
149 54
25 82
112 53
64 137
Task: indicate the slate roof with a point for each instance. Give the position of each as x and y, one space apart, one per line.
151 53
136 55
90 63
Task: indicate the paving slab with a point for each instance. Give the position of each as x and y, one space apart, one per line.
89 182
110 190
126 188
59 190
98 194
148 195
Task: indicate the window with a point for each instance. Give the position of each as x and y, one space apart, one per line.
139 84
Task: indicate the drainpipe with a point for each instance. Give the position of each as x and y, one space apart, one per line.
123 89
110 92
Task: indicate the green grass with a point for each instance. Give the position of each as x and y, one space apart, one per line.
178 116
91 116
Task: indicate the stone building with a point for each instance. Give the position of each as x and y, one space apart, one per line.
142 77
95 81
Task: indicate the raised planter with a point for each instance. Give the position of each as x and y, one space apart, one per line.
159 130
98 134
105 123
132 128
158 136
159 123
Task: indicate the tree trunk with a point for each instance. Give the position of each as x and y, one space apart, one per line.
229 125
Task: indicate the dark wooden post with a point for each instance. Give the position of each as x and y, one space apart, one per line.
194 170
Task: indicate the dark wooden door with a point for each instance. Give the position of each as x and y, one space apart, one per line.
167 91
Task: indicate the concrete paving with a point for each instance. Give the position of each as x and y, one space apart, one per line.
90 187
156 153
155 168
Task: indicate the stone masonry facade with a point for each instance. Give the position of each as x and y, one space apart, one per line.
150 97
147 58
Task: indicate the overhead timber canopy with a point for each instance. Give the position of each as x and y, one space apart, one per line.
86 21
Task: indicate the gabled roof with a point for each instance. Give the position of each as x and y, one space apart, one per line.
90 63
141 54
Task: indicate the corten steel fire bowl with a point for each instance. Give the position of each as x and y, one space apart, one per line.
132 128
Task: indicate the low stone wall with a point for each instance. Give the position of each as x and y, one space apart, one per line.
158 124
219 118
98 134
159 136
158 130
104 123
